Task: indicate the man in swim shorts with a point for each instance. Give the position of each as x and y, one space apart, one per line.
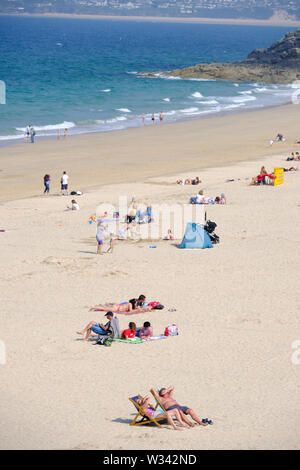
97 328
169 403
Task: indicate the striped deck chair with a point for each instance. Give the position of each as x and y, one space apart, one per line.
145 417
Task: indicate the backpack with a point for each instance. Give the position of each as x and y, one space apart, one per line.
171 330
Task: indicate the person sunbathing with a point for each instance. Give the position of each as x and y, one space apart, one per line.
146 331
196 180
125 307
130 331
165 396
144 403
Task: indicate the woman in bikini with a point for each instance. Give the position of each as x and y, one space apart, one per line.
125 307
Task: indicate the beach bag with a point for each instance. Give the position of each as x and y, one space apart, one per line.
171 330
156 305
104 340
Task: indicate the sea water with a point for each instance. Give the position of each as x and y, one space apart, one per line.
85 75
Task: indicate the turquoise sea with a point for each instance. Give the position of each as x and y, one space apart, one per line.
84 74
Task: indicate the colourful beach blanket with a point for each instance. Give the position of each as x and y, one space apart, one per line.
133 341
139 340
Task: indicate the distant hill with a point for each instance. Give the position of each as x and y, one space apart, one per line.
242 9
280 63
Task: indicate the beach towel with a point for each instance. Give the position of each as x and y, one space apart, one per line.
133 340
153 338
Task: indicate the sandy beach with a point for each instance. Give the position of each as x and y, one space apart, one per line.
236 305
275 20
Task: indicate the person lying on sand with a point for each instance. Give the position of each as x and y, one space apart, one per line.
201 199
125 307
169 403
144 403
97 328
130 331
189 181
146 331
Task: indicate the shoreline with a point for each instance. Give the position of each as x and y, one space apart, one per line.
139 154
208 115
164 19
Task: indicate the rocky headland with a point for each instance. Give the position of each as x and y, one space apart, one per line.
280 63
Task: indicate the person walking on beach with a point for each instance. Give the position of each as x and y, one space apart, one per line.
47 183
58 133
153 119
143 119
65 132
100 236
64 184
161 117
27 134
32 134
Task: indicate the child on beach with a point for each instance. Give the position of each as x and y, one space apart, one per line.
47 183
170 235
111 243
74 207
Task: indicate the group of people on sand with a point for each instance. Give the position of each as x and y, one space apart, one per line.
139 305
201 199
172 409
293 157
137 214
189 181
30 134
64 183
59 133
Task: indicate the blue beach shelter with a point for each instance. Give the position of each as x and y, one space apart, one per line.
195 237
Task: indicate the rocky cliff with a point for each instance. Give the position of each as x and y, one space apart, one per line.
280 63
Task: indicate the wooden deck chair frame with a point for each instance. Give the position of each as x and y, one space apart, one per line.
146 418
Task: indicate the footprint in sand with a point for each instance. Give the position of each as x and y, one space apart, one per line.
59 261
116 273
